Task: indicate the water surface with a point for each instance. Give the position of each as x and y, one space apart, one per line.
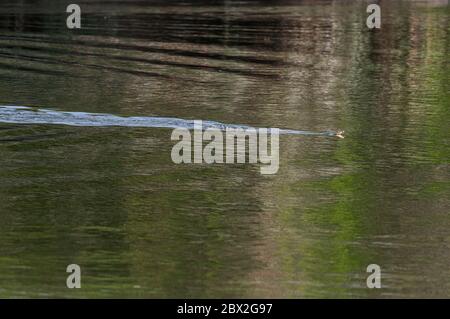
110 199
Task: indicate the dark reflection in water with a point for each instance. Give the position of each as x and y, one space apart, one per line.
112 201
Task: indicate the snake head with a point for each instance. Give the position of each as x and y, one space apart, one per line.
340 134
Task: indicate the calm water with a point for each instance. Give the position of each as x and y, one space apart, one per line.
111 200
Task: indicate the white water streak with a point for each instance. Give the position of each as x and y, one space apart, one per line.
28 115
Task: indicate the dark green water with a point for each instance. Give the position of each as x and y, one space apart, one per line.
110 199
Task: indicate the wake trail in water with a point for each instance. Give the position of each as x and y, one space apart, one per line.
28 115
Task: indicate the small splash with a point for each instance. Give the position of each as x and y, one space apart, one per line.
29 115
